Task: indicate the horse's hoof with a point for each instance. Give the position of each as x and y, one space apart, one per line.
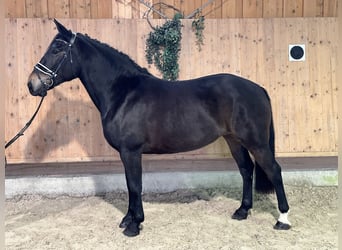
240 214
126 221
281 226
123 224
132 230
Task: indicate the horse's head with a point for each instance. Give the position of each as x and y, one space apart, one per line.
56 66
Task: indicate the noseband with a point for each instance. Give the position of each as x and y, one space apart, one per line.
52 74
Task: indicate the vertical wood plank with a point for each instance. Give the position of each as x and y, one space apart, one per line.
272 8
136 12
36 8
178 4
313 8
330 8
297 74
186 52
128 8
228 9
213 10
143 8
190 6
232 9
156 6
167 9
252 8
80 9
334 88
15 8
101 8
115 6
12 67
325 72
26 60
275 49
293 8
30 8
248 45
122 9
142 31
234 47
314 92
58 9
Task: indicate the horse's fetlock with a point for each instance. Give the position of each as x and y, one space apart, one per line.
139 217
246 204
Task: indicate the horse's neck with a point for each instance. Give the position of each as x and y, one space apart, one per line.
100 76
106 76
98 83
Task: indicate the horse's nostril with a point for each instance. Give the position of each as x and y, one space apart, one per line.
29 85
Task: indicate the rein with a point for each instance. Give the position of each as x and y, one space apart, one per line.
21 132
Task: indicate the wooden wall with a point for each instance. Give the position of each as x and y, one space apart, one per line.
304 94
135 9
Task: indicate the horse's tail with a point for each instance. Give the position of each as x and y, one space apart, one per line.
262 183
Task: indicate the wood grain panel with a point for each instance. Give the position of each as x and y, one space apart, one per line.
232 9
252 8
330 8
313 8
58 9
36 8
272 8
68 128
101 8
15 8
135 9
293 8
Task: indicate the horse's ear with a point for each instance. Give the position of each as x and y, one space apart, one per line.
61 29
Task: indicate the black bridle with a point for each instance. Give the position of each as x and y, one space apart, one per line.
52 74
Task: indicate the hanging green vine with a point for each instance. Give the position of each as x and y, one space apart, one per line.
163 46
198 27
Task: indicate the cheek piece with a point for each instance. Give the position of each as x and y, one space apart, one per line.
52 74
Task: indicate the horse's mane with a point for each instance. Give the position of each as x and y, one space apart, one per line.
125 61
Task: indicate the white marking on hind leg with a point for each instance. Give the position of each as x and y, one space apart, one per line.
283 218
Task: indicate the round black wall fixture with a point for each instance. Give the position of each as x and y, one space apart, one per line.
297 52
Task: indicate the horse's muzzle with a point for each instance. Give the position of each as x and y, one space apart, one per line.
41 91
36 85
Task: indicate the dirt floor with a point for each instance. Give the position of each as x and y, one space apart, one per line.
186 219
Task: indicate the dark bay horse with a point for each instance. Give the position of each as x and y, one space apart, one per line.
142 114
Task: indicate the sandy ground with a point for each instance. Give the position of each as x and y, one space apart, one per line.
186 219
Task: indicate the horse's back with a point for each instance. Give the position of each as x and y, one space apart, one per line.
196 112
170 117
218 94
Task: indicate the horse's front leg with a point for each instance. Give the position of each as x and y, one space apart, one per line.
135 214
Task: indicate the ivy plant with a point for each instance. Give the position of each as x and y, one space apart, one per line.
163 46
197 28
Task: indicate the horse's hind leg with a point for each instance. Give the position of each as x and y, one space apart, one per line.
133 170
266 160
246 166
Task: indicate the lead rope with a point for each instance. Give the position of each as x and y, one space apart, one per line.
21 132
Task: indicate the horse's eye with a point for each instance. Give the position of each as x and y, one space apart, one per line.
55 51
57 47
